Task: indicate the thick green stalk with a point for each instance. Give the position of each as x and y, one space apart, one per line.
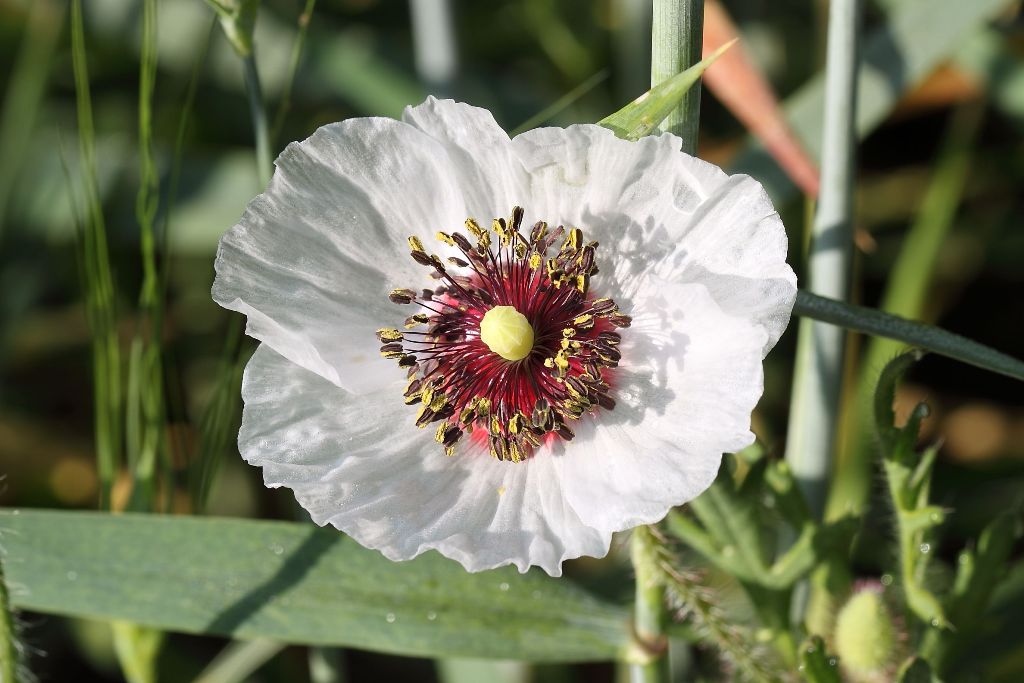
819 363
651 615
677 30
676 41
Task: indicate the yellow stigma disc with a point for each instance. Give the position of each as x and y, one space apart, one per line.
507 333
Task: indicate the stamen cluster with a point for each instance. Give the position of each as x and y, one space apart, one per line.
460 383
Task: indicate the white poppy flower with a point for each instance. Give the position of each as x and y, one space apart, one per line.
546 420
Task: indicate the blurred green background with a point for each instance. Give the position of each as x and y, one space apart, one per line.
515 58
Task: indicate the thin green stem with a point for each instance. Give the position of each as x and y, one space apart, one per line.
99 282
293 67
819 364
562 103
880 324
258 113
8 635
146 401
677 30
239 660
26 88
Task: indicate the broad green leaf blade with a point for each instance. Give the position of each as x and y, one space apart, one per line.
899 53
642 116
295 583
927 337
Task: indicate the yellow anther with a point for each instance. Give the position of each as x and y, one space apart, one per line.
572 241
439 434
446 238
516 424
507 333
535 260
415 244
474 228
438 403
389 334
561 362
568 332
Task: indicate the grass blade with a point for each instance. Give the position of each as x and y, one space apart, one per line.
296 583
25 90
927 337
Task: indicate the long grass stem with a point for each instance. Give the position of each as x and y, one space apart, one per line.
819 364
258 114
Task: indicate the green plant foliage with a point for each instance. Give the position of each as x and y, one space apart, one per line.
295 583
909 479
816 664
642 116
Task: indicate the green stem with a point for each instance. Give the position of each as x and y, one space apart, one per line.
293 67
927 337
676 41
8 635
651 612
259 119
819 363
677 31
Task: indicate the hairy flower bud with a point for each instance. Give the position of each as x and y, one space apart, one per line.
865 636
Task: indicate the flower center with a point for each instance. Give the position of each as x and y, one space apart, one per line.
507 332
512 346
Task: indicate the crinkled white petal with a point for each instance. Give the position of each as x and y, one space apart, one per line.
658 211
689 379
358 462
489 173
313 258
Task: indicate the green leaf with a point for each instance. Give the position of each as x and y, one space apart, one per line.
928 337
816 664
642 116
295 583
914 518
